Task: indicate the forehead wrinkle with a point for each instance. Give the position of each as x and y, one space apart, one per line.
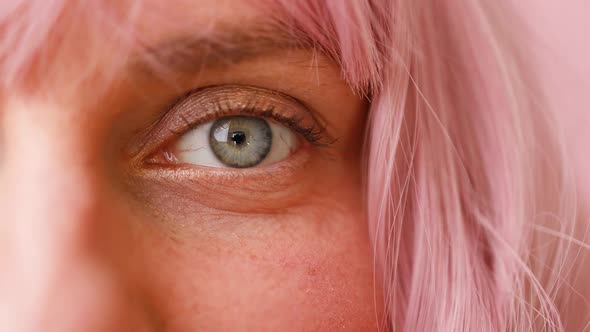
223 46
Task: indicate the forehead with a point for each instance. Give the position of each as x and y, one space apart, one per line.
92 35
158 20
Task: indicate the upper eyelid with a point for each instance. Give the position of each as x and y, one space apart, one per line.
217 101
210 95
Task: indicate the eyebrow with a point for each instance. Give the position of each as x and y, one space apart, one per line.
225 46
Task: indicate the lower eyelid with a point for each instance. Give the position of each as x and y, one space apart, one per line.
271 178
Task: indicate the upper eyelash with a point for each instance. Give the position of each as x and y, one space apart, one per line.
315 133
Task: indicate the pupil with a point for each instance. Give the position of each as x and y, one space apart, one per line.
238 137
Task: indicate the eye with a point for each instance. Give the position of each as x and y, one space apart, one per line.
234 126
236 142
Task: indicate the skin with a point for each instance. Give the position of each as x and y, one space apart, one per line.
94 238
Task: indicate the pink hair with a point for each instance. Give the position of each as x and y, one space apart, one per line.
463 165
463 168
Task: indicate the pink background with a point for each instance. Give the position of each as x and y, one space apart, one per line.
561 41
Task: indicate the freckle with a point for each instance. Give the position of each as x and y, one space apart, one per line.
312 271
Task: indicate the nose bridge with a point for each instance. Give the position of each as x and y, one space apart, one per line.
53 202
50 202
50 178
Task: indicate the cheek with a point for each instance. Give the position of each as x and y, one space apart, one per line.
312 271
